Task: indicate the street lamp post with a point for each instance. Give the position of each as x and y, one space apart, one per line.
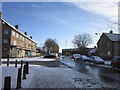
65 44
97 34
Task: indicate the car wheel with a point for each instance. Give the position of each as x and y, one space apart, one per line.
112 65
95 63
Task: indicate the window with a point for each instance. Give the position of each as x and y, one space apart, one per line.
26 46
5 48
13 33
20 37
15 42
17 35
21 44
23 38
108 52
30 42
5 41
6 32
26 39
108 44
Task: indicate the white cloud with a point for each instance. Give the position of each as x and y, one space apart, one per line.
34 5
107 10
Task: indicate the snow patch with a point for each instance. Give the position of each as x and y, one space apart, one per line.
29 59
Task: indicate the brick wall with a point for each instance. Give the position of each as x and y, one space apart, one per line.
105 47
18 44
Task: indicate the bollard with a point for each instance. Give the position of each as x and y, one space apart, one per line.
27 67
7 83
8 62
24 72
19 78
21 63
16 63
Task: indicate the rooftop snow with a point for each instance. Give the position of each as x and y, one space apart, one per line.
17 30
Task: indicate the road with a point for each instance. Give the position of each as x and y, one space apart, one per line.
107 75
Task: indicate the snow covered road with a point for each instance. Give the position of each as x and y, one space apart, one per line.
48 77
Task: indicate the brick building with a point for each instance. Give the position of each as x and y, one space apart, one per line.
15 43
71 51
109 45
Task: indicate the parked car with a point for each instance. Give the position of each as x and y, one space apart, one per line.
96 60
49 56
76 56
85 58
116 62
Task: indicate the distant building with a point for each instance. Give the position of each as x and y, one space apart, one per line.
109 45
69 51
93 52
38 51
83 51
15 43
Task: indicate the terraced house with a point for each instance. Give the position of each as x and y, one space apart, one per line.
15 43
109 45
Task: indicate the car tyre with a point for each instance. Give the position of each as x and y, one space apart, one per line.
112 65
95 62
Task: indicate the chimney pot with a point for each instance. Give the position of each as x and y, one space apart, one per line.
31 37
25 33
111 32
16 26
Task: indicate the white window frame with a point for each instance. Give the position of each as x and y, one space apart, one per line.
21 44
13 33
109 53
15 42
17 35
20 37
23 38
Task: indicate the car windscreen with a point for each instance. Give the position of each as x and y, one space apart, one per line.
85 57
97 57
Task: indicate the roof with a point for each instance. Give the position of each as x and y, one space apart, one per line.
17 30
113 37
93 51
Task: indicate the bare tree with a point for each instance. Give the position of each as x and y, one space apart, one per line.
82 40
51 46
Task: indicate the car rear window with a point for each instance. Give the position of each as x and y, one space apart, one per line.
117 58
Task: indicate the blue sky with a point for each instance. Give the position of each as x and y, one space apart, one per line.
59 20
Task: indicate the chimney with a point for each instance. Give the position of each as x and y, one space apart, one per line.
31 37
25 33
95 47
16 26
111 32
